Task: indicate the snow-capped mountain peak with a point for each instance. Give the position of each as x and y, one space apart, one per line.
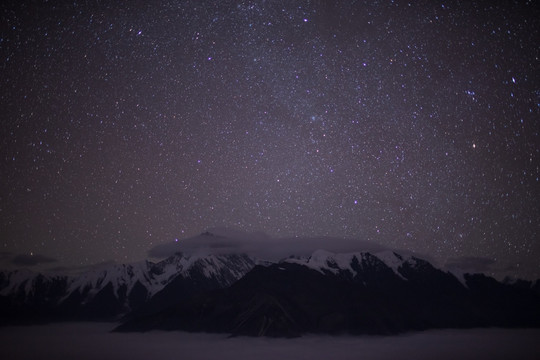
325 261
22 281
328 262
155 276
392 260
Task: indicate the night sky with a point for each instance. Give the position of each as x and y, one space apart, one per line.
130 124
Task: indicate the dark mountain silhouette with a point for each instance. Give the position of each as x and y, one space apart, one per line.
354 293
363 296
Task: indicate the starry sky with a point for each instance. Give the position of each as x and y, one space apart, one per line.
130 124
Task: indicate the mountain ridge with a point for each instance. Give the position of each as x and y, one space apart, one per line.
358 292
121 287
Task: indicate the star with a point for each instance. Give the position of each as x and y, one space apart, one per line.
129 126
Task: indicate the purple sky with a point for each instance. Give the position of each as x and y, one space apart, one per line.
129 125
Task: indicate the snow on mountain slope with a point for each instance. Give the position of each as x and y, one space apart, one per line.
392 260
140 280
322 260
227 268
12 281
460 275
24 282
155 276
119 276
325 261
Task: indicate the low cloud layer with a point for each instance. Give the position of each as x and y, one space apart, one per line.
74 270
31 260
88 341
471 264
228 241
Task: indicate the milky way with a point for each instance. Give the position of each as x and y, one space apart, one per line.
126 125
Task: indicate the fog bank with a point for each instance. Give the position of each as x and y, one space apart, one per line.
94 341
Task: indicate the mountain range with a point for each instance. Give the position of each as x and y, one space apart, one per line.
355 293
111 292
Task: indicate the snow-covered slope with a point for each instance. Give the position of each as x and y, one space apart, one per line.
353 263
325 261
146 287
225 268
25 283
120 286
